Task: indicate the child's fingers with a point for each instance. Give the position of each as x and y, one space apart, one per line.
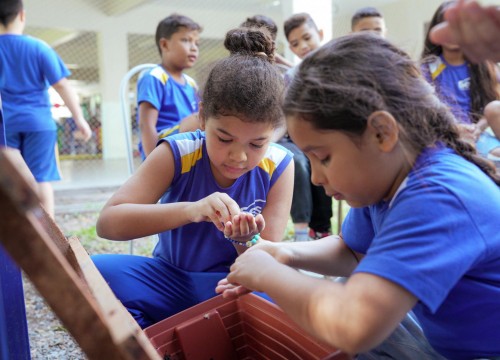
227 207
260 222
215 218
243 226
228 229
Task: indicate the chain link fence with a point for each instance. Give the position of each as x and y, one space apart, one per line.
80 52
76 29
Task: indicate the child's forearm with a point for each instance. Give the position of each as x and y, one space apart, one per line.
149 138
328 256
354 317
70 98
132 221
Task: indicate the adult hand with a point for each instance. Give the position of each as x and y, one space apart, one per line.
474 27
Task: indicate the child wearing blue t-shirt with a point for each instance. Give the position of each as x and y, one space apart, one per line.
28 67
219 189
471 90
423 231
165 95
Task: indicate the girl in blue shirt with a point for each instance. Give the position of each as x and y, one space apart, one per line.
423 232
470 89
218 189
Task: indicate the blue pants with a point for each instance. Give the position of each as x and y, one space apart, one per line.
152 289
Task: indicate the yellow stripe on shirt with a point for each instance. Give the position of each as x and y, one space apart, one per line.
189 160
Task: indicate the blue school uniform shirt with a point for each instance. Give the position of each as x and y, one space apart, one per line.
439 238
201 247
453 85
173 101
28 67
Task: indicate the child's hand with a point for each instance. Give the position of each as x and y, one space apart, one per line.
467 132
83 133
243 226
247 271
218 208
278 250
229 290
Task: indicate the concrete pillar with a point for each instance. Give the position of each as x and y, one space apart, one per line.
113 65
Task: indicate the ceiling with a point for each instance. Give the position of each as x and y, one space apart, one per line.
117 7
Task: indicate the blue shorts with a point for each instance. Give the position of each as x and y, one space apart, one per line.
39 151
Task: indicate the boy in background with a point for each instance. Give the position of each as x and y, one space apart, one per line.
165 95
311 208
302 34
368 19
28 67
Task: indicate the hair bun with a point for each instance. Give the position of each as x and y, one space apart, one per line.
252 41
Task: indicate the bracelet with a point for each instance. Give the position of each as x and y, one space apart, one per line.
249 243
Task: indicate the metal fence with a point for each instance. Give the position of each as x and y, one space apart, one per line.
76 29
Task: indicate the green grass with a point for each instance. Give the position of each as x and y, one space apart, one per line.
96 245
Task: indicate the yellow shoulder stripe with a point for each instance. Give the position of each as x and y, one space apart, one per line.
189 160
268 166
160 74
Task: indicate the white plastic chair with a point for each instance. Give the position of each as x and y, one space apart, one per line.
125 103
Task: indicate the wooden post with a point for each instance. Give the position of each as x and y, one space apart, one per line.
63 272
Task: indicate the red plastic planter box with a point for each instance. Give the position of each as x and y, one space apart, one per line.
245 328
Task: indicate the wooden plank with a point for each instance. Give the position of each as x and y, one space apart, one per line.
125 329
87 308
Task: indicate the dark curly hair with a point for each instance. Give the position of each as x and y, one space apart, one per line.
335 89
246 84
262 21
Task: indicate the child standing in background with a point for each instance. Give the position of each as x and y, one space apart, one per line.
421 233
165 95
369 19
28 67
470 90
218 189
311 208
